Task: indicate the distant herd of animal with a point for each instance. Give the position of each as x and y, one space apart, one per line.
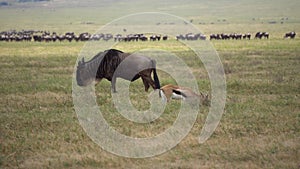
46 36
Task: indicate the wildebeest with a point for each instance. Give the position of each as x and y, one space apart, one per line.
84 36
155 37
215 36
291 35
108 65
262 35
191 36
180 37
237 36
69 36
202 37
225 36
165 37
247 36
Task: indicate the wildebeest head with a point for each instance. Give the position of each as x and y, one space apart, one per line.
84 76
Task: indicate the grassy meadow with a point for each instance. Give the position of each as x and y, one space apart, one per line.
260 127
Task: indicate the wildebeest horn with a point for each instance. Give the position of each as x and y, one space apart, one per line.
81 62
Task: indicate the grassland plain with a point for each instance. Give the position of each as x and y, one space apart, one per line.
260 127
64 15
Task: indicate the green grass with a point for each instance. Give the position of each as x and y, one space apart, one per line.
260 127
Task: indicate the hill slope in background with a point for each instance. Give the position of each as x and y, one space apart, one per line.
189 7
67 14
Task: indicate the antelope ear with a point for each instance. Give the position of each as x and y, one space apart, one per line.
82 60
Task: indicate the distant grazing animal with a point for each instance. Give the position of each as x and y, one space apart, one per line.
225 36
290 35
155 37
247 36
215 36
170 91
165 37
202 37
105 64
262 35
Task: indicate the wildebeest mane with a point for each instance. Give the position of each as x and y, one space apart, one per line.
109 63
106 53
105 63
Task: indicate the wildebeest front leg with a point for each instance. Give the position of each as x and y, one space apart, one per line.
113 84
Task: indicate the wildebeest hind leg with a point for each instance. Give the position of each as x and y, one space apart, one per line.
146 84
150 82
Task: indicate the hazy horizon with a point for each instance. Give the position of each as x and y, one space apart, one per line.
73 15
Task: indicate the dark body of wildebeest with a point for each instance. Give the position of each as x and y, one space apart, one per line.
113 63
261 35
291 35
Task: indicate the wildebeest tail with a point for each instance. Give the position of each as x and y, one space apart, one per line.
155 77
